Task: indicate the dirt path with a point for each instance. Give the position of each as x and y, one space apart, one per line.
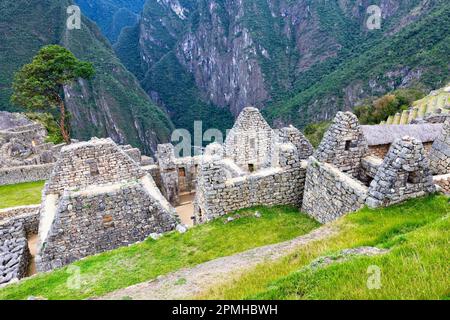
186 283
32 245
186 208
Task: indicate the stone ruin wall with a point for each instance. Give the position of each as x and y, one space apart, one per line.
13 175
187 166
293 135
95 162
404 174
120 216
331 187
15 226
97 199
343 144
168 173
338 184
325 189
250 141
381 151
440 152
218 194
330 193
24 154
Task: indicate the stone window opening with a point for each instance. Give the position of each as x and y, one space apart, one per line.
411 178
251 167
93 168
348 144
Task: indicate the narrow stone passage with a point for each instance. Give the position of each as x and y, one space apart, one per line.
32 245
186 208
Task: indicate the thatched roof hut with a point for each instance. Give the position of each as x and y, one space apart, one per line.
386 134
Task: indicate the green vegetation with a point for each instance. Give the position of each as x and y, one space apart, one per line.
103 106
21 194
39 84
112 15
388 105
177 88
50 124
315 132
144 261
416 233
423 45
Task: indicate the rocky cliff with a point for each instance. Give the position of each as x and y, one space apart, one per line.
301 60
112 104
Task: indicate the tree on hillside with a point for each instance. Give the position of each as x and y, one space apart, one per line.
40 84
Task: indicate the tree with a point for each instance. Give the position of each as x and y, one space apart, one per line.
40 84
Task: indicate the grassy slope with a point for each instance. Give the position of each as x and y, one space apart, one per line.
130 265
417 233
21 194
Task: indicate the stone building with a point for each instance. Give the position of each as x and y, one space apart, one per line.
343 145
249 143
16 225
404 174
440 152
251 169
101 196
380 137
345 174
97 199
168 173
24 153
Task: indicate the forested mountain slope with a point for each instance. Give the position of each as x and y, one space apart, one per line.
112 104
112 15
300 60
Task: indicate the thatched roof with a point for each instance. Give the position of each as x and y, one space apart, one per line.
386 134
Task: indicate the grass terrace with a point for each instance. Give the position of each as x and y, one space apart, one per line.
21 194
144 261
417 233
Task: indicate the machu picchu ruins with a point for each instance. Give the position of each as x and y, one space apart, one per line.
100 196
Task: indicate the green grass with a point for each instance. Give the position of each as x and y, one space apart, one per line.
126 266
417 234
21 194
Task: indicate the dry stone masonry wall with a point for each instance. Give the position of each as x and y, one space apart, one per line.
94 162
330 193
249 143
266 171
343 144
24 154
294 136
105 219
440 152
100 196
97 199
337 184
404 174
13 175
15 225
